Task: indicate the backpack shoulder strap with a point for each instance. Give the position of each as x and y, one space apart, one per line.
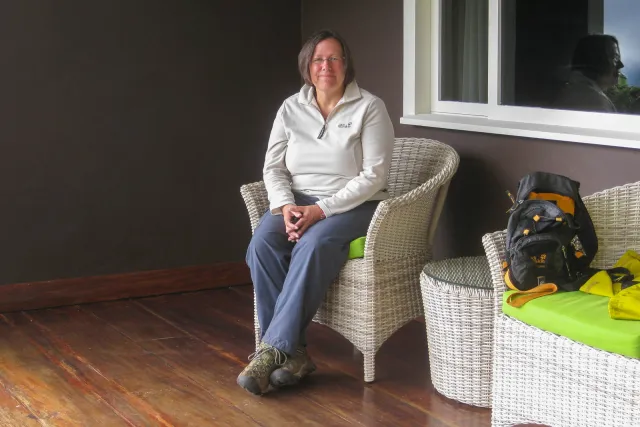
519 298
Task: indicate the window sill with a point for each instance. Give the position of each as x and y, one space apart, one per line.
525 130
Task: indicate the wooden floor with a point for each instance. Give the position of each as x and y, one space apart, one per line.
173 360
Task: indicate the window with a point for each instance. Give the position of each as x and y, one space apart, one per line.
566 70
463 67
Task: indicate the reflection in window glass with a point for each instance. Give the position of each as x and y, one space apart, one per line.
574 54
464 50
621 19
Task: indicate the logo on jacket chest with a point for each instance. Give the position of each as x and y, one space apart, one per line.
344 125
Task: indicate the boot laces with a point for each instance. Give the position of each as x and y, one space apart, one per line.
262 356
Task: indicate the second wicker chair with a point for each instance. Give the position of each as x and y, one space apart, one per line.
544 378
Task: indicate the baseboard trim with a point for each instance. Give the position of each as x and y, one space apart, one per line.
54 293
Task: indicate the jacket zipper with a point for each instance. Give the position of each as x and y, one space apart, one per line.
324 125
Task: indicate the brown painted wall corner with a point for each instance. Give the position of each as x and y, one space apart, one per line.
129 126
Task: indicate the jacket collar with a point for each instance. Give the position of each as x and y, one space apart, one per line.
577 77
307 94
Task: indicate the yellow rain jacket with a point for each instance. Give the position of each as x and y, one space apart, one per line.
622 289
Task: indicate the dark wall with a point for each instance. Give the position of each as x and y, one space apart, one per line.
490 164
127 127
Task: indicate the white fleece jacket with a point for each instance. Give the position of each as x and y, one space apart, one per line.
344 160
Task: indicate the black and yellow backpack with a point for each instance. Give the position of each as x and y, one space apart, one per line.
551 240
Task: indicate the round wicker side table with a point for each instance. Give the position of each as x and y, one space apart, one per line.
458 303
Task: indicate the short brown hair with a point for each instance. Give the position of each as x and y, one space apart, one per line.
595 55
306 54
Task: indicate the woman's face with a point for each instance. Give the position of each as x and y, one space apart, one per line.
327 66
610 79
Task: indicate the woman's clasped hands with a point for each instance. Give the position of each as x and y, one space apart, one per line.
298 219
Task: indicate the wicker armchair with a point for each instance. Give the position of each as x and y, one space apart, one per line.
376 295
540 377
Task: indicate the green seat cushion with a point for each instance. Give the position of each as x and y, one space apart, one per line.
356 248
581 317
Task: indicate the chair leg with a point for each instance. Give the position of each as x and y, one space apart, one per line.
369 366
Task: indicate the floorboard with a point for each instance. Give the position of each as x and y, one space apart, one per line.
12 412
152 387
402 368
172 360
203 364
46 385
330 388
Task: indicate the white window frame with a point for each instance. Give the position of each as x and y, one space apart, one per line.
446 107
422 107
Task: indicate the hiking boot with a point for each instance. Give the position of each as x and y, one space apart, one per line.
294 369
255 376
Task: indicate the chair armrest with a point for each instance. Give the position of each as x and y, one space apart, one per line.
615 213
495 249
405 226
257 201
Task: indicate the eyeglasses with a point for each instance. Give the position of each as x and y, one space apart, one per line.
330 60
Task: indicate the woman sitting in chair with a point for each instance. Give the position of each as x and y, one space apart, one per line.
325 170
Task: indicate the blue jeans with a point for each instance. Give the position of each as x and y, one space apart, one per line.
291 279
